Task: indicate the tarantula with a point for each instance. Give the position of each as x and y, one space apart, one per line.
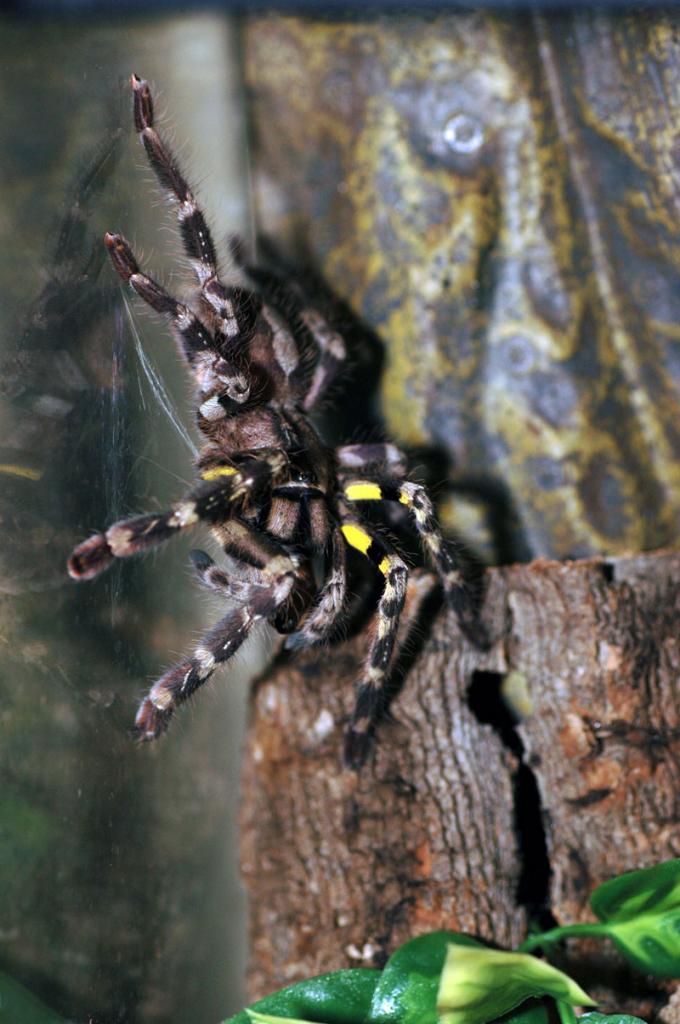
278 500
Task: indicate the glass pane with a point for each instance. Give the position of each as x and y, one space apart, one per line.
118 863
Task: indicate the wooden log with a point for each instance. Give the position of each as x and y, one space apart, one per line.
441 829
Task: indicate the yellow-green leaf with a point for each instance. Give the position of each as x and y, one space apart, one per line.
478 985
266 1018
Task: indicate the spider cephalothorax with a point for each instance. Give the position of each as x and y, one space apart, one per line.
277 499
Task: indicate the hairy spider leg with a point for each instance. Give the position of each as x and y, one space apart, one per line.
329 348
228 304
322 618
253 551
371 688
238 585
332 354
196 343
196 236
442 555
289 347
380 458
210 502
259 600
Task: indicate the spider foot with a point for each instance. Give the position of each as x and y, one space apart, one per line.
143 104
121 256
90 558
296 641
358 745
151 722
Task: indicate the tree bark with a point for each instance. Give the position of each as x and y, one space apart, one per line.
440 829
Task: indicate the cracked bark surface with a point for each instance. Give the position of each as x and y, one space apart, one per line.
342 868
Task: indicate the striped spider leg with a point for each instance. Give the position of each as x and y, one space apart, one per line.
217 373
211 501
382 469
196 237
261 591
371 687
311 329
377 473
322 618
268 583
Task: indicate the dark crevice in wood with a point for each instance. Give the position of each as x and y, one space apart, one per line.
462 812
486 702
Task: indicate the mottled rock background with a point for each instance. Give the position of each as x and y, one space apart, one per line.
498 196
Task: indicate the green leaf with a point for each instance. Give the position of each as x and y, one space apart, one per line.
641 910
533 1011
479 985
18 1004
609 1018
342 997
407 990
638 892
404 993
266 1018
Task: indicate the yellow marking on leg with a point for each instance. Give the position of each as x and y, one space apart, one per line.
385 565
356 537
217 472
404 497
363 491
